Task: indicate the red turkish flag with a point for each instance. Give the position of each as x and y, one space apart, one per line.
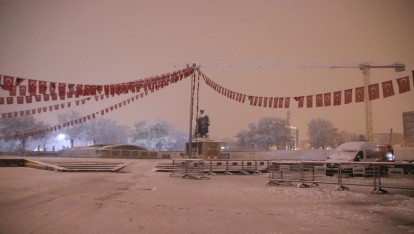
93 89
22 90
337 98
20 100
319 100
9 100
403 84
79 90
42 87
373 91
8 82
280 102
19 81
260 101
13 91
387 89
255 101
309 101
300 101
28 99
52 88
251 100
348 96
62 89
275 99
287 102
327 99
86 90
359 94
38 98
32 87
106 89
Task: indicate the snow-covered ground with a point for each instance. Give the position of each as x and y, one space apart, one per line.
140 200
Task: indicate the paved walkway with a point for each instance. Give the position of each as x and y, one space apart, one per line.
140 200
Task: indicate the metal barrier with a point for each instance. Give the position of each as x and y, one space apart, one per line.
189 168
375 174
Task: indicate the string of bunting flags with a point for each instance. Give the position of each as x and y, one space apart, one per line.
317 100
144 92
22 90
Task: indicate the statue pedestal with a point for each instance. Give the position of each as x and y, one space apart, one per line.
203 148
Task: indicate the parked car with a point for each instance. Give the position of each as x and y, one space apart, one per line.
358 151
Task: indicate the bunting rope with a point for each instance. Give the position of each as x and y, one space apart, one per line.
321 99
103 111
49 91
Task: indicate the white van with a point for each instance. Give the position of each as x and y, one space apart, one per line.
359 151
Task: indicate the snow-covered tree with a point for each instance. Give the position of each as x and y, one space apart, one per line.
104 131
75 131
321 134
269 132
23 124
159 136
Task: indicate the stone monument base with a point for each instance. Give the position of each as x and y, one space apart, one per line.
204 148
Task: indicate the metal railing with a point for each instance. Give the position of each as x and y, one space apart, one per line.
378 175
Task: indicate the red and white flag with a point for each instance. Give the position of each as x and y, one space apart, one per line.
327 99
348 96
319 100
403 84
62 89
359 94
275 100
19 81
387 89
309 101
32 87
287 102
337 98
42 87
8 82
280 102
52 88
373 91
22 90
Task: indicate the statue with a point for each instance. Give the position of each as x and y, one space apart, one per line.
202 125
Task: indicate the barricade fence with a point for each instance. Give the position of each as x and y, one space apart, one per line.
378 175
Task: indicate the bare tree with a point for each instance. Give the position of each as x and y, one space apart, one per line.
321 133
74 131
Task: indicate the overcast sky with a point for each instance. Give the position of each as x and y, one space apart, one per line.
103 42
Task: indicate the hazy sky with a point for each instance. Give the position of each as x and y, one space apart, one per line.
102 41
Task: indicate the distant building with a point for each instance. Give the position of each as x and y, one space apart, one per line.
408 125
294 131
395 139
